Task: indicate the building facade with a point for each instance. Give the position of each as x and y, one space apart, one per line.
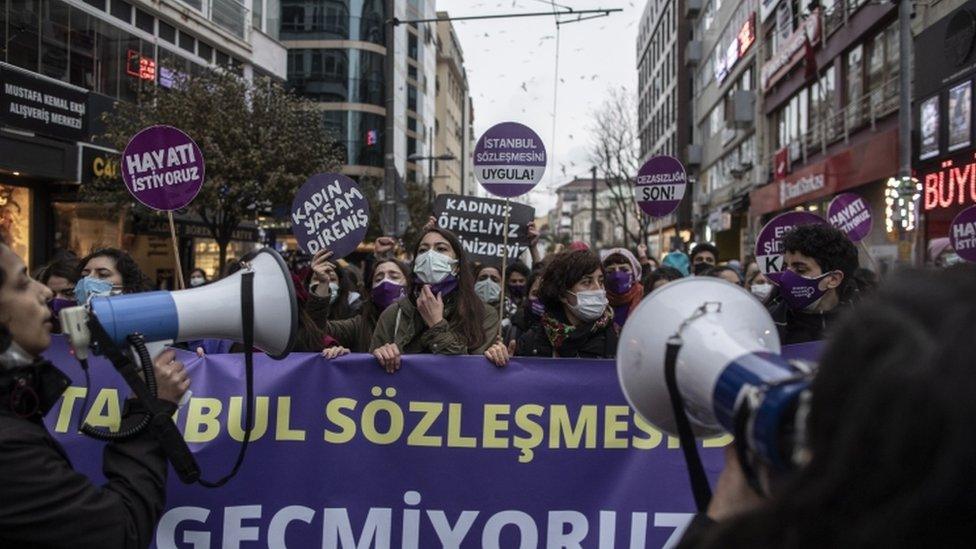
829 82
336 55
664 110
944 151
722 52
572 217
65 62
454 116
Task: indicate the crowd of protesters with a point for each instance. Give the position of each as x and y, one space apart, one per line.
889 417
571 303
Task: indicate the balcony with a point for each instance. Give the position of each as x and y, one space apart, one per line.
838 126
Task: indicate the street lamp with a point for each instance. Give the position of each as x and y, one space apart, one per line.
430 171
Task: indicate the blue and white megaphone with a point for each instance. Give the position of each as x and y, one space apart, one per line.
211 311
728 368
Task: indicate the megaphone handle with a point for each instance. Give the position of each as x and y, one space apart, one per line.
686 437
162 425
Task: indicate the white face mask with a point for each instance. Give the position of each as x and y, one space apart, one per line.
432 267
488 290
197 281
590 304
761 291
333 292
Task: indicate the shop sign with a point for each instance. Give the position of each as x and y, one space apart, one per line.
781 164
191 229
97 163
736 49
805 185
42 105
950 185
143 68
791 51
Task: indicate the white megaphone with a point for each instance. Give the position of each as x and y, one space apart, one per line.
728 368
212 311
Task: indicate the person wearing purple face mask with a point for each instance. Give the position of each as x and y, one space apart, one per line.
517 282
441 314
529 314
60 277
389 281
624 290
816 284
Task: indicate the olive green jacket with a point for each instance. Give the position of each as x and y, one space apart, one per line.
402 324
349 332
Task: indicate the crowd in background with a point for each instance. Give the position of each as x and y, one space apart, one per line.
571 303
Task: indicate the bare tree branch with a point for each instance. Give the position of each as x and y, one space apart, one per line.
616 153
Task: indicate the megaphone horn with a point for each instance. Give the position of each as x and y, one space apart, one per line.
213 311
729 362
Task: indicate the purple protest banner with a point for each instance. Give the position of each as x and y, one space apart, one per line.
851 214
162 168
661 184
962 234
345 455
769 244
329 212
509 159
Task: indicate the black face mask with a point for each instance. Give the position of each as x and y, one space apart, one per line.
700 268
31 391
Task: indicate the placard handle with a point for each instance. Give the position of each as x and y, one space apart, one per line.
501 301
176 252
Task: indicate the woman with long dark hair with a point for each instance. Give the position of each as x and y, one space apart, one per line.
441 315
578 320
892 457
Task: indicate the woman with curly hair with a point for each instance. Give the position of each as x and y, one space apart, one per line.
578 320
109 271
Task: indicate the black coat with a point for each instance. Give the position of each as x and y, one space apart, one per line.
584 343
801 326
46 503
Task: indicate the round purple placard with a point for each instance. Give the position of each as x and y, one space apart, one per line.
769 244
962 234
851 214
162 168
509 159
329 212
661 184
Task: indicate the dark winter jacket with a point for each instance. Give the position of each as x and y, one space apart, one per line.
353 333
801 326
584 342
46 503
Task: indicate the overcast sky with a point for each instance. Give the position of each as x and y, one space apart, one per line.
511 66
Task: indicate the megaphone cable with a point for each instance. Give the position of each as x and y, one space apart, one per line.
139 345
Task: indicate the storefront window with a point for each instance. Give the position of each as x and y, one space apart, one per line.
206 254
83 227
15 207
